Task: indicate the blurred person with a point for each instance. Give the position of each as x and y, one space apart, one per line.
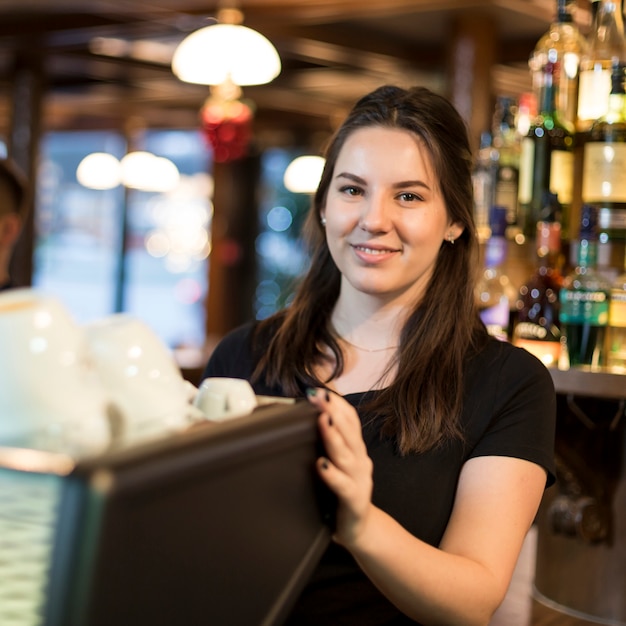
438 438
12 207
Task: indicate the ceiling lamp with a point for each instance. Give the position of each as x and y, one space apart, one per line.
303 174
139 170
226 56
226 52
145 171
99 170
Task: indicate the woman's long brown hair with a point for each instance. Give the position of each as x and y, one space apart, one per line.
421 407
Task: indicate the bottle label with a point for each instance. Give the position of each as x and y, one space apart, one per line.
562 175
527 158
604 172
527 331
495 251
482 182
593 93
506 192
617 308
584 307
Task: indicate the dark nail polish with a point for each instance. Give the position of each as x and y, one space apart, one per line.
324 464
327 396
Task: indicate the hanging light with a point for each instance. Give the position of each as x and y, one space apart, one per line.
303 174
99 170
137 170
147 172
226 51
226 56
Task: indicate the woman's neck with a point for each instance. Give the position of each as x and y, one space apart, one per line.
368 324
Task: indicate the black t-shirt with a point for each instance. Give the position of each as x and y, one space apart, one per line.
509 410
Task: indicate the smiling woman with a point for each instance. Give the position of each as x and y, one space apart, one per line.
385 218
438 438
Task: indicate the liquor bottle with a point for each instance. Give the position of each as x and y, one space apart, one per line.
594 10
566 46
606 48
536 324
584 299
483 183
604 170
494 291
616 332
505 143
547 158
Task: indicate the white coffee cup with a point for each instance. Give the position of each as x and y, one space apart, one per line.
221 399
140 375
50 397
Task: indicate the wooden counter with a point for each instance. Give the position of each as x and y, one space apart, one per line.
582 381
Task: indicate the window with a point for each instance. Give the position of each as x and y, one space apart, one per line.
145 253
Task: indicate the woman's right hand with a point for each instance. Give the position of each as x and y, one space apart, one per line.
347 469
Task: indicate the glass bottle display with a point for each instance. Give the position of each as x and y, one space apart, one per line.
494 291
547 158
606 48
604 163
536 323
483 182
616 332
566 46
506 146
584 299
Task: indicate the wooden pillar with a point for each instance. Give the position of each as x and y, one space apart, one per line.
23 148
232 263
471 55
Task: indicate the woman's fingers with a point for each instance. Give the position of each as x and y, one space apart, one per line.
339 422
346 468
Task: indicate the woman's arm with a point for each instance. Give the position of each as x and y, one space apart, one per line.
465 579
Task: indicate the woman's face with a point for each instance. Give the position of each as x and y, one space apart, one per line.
385 215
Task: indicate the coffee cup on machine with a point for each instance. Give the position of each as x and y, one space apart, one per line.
221 398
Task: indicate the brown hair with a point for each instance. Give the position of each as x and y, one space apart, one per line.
420 408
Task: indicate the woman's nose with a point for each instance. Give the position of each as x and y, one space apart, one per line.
374 215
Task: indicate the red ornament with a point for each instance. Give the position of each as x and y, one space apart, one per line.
227 126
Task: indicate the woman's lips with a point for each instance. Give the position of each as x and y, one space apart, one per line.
371 253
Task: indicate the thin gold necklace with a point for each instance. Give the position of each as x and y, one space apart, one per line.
368 349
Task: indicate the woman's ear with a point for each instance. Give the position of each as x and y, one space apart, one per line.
456 230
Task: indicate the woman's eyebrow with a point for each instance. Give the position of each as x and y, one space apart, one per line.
398 185
353 177
411 183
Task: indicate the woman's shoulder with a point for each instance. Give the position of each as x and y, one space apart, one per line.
238 353
232 356
507 370
497 354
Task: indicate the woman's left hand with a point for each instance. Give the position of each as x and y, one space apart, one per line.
347 468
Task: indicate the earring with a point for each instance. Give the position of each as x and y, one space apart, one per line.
451 238
323 221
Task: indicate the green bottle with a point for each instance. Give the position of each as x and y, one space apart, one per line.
584 299
546 159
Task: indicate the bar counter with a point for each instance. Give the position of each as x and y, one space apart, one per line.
581 526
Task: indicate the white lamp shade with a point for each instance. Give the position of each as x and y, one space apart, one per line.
99 170
303 174
215 54
147 172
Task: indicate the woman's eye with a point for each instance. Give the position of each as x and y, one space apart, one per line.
407 196
351 191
